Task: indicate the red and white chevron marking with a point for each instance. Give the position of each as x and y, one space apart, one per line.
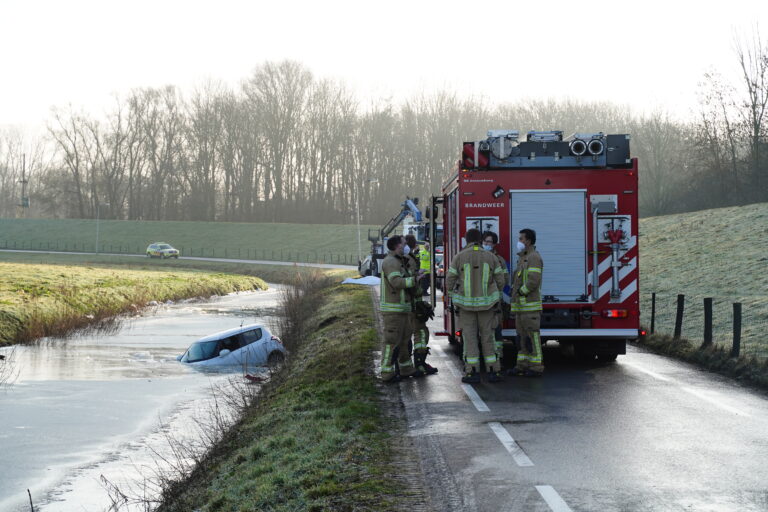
628 274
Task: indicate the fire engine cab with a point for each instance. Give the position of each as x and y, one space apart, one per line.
579 195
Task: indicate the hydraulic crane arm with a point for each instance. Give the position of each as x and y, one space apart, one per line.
408 208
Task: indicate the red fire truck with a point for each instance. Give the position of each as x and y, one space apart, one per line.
580 196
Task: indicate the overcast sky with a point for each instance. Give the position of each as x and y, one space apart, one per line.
646 53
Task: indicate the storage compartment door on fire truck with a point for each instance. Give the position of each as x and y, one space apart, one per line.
559 219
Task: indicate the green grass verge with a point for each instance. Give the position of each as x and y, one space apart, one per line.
325 243
317 441
747 369
720 253
52 299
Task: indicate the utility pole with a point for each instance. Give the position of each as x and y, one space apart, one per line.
24 204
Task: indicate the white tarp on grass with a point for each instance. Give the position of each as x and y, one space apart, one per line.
366 281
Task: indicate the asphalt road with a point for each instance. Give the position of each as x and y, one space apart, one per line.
646 433
226 260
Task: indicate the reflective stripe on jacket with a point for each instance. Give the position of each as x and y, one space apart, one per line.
395 281
505 292
526 281
412 263
475 279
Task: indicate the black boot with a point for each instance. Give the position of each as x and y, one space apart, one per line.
420 360
472 377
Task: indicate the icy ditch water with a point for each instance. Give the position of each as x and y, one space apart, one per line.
93 405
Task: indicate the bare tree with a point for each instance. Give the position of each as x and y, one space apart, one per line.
752 57
658 142
205 113
278 92
68 131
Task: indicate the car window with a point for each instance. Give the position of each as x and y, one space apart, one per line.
202 351
249 337
164 246
232 343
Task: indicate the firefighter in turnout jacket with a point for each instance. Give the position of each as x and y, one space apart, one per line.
490 241
474 282
398 285
422 311
526 305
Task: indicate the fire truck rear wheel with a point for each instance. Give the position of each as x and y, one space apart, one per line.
607 358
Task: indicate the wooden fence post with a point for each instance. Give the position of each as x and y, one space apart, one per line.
653 312
679 316
736 350
707 322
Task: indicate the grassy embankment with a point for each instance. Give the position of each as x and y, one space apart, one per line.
326 243
318 438
52 299
720 253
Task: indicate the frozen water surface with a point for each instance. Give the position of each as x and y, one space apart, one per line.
100 404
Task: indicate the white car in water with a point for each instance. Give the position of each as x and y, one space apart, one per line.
250 345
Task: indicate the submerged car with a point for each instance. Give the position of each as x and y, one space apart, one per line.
162 250
250 344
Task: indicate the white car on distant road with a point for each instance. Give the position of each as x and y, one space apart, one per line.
250 344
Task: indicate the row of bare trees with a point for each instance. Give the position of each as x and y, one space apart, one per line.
288 147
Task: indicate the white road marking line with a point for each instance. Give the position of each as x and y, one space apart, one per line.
695 392
555 502
648 372
468 389
475 398
510 444
715 401
451 367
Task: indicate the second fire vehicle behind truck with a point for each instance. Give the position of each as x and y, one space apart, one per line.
580 196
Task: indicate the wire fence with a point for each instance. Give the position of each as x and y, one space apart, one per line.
744 322
244 253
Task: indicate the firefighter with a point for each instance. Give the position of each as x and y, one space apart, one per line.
422 312
397 287
424 265
526 305
474 283
490 242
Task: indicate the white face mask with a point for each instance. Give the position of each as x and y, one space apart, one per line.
406 250
520 246
488 247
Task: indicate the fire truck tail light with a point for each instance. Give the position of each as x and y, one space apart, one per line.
615 313
457 333
643 332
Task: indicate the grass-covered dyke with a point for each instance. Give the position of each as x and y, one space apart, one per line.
327 243
720 253
318 437
53 299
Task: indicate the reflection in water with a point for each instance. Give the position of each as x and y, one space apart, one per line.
8 369
89 404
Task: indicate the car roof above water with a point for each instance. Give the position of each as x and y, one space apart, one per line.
230 332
